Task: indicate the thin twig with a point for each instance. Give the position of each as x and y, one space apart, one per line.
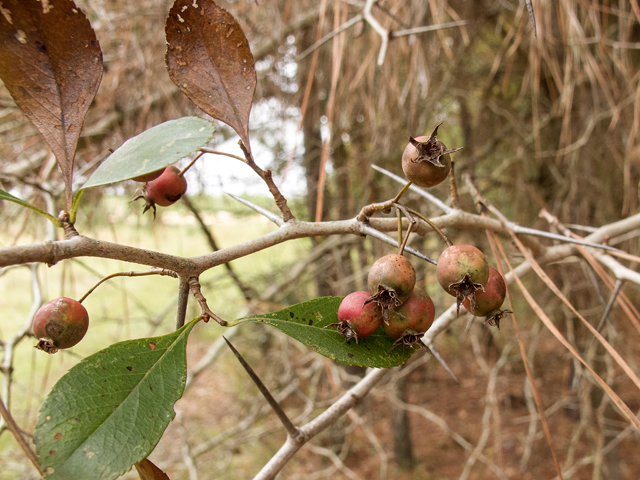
455 200
380 30
281 202
216 152
434 200
352 21
612 300
412 223
432 225
17 434
184 170
385 206
428 28
196 290
154 271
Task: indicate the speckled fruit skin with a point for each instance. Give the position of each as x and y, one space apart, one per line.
493 296
425 173
147 177
456 261
168 188
63 320
393 272
416 314
366 319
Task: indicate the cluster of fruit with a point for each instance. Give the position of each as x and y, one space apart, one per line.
463 272
393 303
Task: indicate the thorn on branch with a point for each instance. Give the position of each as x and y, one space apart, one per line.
292 430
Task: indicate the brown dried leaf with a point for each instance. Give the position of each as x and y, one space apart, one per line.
209 59
148 471
51 63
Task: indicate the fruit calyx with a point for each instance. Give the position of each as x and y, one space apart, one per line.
431 150
346 329
46 345
410 338
385 298
493 318
465 289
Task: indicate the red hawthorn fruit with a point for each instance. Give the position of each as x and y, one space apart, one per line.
358 319
426 160
165 190
409 321
168 188
391 281
461 270
489 301
59 324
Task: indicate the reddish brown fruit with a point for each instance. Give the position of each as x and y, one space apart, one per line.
165 190
426 160
168 188
461 271
391 281
147 177
358 319
60 324
489 301
415 315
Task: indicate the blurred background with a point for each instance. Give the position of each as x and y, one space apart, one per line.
549 122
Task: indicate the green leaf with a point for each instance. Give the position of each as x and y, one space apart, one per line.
7 196
109 411
306 321
153 149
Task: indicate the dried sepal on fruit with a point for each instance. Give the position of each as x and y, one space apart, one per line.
462 270
391 281
357 319
426 161
60 324
165 190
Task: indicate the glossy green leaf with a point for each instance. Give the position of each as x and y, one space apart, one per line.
7 196
306 323
109 411
153 149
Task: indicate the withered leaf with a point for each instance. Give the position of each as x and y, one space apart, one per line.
148 471
209 59
51 63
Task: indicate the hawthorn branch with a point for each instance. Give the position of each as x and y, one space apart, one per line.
351 398
265 175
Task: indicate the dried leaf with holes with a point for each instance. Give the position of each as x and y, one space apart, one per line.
209 59
52 75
